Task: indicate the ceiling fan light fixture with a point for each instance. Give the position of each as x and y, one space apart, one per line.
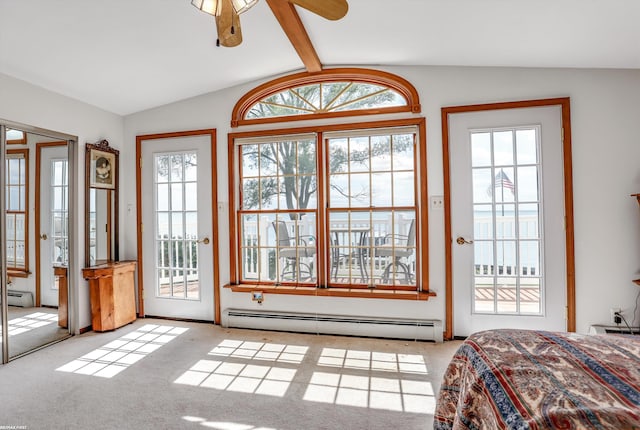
208 6
241 6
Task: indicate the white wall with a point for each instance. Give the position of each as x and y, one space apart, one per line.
25 103
606 152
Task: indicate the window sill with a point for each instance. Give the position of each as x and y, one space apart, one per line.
333 292
18 273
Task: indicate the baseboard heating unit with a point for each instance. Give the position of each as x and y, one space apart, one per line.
620 329
23 299
395 328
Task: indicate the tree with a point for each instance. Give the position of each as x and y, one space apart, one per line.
294 164
324 97
295 161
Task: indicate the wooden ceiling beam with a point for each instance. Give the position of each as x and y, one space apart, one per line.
290 22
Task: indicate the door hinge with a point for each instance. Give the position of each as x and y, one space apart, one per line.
141 162
566 312
141 228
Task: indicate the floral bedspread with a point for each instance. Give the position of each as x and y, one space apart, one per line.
521 379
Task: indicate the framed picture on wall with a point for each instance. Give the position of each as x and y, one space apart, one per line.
102 169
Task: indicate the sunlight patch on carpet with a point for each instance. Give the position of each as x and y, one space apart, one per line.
371 360
114 357
261 351
393 394
223 425
238 377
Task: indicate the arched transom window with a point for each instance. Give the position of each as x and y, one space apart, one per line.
331 93
326 97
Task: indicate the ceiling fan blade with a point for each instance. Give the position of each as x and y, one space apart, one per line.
329 9
228 25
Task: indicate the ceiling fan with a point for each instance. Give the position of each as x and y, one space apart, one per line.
227 14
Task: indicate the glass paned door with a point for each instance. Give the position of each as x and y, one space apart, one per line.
507 220
54 220
177 234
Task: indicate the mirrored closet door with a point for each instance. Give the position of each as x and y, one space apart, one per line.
36 238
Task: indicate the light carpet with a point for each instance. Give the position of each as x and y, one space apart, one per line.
161 374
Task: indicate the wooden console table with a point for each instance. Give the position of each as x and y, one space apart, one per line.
112 290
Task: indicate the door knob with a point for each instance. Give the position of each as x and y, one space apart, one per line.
461 241
43 237
204 241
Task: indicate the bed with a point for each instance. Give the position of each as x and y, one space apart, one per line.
525 379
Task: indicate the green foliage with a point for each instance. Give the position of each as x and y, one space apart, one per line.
287 169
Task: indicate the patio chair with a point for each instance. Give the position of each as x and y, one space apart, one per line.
294 268
399 247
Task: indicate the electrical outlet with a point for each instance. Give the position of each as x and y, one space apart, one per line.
437 202
614 319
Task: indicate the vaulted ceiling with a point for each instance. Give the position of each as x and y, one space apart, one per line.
129 55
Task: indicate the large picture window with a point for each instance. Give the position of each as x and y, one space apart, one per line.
335 209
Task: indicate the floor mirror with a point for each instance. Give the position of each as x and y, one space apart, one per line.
37 201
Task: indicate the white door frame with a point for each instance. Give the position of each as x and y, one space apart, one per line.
564 103
148 139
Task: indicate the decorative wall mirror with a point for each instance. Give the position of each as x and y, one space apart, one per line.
101 204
